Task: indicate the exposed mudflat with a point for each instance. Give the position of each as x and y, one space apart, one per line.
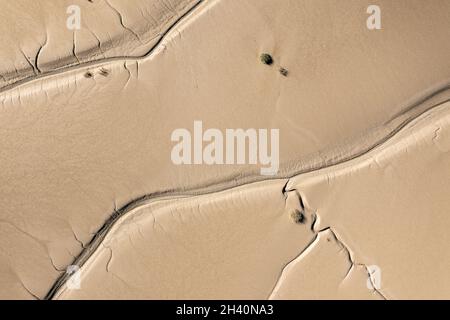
227 244
364 150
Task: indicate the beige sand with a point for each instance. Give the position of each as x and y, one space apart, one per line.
392 207
40 44
85 135
226 245
229 245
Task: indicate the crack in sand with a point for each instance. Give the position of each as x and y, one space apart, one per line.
217 187
237 180
99 62
121 21
35 239
36 60
29 291
314 241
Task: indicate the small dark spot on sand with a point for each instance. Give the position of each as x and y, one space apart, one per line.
284 72
88 74
104 72
266 59
297 216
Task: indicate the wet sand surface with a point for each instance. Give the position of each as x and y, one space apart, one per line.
226 244
86 119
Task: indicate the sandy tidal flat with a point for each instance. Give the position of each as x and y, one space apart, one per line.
87 180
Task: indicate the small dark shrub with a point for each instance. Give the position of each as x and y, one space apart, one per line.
266 59
297 216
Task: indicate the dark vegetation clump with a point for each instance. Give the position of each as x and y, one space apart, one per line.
104 72
298 217
266 59
88 74
284 72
